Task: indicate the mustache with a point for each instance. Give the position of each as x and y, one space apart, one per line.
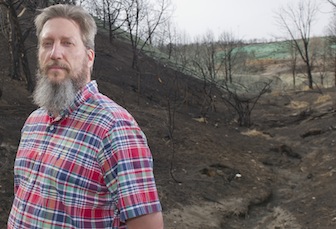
58 64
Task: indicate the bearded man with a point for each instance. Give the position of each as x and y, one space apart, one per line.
83 161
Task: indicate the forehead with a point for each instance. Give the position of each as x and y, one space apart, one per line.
60 27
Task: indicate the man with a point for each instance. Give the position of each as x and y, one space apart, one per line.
83 161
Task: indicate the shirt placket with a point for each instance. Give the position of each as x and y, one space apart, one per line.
50 130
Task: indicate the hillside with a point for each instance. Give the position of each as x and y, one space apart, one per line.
280 173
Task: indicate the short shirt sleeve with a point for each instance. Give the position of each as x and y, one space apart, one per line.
128 167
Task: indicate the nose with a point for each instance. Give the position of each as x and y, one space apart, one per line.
56 52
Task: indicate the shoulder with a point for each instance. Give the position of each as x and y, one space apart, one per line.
38 119
101 105
107 110
37 116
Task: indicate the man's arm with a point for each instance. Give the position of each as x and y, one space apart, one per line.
150 221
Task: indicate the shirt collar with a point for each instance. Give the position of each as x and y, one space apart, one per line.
82 96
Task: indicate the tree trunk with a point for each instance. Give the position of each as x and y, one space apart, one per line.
310 76
335 69
14 67
18 53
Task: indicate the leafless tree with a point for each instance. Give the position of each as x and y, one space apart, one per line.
293 59
167 41
324 58
229 50
181 52
113 10
207 65
297 22
332 2
109 13
166 37
331 38
16 37
33 5
243 98
142 19
70 2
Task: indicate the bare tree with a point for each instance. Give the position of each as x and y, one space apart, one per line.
109 13
33 5
95 8
323 60
113 10
182 52
332 2
70 2
331 38
293 56
16 37
244 98
142 19
207 65
297 22
229 46
167 40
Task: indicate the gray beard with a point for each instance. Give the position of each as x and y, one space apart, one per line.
56 97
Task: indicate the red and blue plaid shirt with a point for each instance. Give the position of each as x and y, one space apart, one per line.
90 168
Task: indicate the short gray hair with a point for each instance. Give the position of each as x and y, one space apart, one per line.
85 21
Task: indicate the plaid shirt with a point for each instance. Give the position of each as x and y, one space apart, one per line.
89 168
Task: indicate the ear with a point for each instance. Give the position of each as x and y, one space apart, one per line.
91 57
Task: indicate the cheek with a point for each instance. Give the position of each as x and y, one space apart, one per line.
81 61
41 57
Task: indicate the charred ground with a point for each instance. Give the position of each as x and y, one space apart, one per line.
280 173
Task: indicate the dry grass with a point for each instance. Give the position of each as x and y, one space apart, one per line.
298 104
255 133
323 99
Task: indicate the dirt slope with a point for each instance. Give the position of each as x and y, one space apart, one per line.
280 173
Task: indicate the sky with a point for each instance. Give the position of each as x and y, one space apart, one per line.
246 19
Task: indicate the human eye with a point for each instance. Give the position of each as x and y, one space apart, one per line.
67 43
47 43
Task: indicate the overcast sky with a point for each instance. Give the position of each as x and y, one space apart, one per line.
247 19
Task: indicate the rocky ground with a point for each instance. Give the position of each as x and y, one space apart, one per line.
280 173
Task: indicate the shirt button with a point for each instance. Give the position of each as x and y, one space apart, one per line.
21 207
51 128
